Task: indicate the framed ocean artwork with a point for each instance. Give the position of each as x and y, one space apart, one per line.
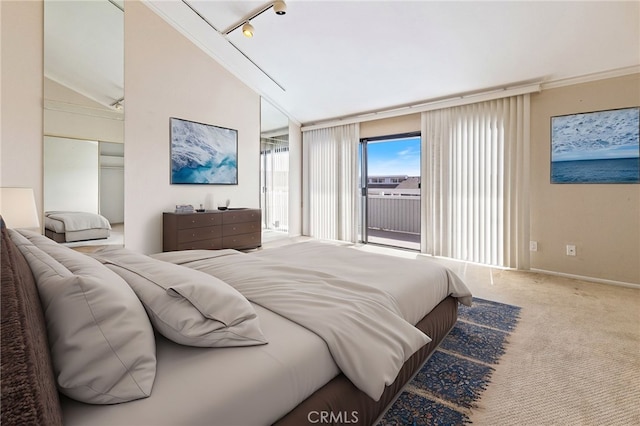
596 147
203 153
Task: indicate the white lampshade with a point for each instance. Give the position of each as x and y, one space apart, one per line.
18 208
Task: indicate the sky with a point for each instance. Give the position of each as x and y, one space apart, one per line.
397 157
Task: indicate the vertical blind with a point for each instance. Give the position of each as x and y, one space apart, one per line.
275 183
330 179
475 178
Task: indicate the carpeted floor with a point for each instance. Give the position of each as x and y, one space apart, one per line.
445 389
575 357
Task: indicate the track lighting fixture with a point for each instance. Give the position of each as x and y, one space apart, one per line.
279 7
247 29
118 104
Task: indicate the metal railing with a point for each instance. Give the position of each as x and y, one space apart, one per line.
394 213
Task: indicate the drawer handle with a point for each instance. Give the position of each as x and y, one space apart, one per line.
193 221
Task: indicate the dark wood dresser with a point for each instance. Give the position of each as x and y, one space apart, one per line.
214 229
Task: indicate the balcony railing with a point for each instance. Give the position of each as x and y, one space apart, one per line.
394 220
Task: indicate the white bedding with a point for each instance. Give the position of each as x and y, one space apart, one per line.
363 327
223 386
75 221
418 285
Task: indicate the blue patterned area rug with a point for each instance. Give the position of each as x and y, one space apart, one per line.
445 389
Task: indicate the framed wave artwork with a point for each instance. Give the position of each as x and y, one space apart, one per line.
203 153
596 147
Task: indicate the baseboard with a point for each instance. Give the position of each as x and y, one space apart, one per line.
591 279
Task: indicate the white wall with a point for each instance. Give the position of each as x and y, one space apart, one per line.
112 181
71 175
166 76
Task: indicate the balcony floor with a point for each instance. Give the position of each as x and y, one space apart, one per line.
393 238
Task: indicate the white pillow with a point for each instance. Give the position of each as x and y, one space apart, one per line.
102 344
187 306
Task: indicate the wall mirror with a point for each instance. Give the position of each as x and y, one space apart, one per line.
84 111
274 168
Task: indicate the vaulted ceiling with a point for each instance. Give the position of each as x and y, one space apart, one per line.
327 59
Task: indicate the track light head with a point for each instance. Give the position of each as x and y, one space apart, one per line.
280 7
247 29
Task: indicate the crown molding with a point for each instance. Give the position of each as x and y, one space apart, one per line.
588 78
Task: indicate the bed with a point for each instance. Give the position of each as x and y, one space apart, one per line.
71 226
298 377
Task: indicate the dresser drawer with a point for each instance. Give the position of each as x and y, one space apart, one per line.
198 220
242 241
197 234
240 228
214 244
212 230
238 216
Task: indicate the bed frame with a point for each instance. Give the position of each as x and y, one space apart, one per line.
84 235
29 394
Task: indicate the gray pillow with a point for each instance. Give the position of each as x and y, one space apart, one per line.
102 344
187 306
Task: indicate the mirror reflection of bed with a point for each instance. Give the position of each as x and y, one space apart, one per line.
83 191
75 229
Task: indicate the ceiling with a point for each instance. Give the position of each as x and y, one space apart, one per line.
329 59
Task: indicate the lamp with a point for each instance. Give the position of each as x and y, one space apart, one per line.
280 7
247 29
18 208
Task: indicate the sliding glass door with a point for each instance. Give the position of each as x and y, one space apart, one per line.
390 187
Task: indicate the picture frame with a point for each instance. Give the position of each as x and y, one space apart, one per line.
596 147
202 154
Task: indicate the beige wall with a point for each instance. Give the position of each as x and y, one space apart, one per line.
168 76
603 221
390 126
21 88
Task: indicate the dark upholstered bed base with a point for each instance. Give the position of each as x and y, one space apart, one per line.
342 398
29 394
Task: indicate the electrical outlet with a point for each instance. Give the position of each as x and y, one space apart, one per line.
533 246
571 250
